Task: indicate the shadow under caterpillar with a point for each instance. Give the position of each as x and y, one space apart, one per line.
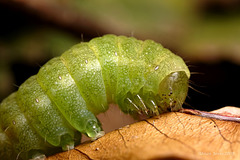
51 109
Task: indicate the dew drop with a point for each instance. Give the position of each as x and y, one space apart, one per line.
156 68
59 77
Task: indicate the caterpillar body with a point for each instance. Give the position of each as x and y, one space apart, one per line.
52 109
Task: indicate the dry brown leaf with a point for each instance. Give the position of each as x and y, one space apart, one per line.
168 136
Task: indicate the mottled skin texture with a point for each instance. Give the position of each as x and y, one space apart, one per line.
50 109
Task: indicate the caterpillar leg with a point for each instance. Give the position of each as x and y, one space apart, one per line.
172 93
94 130
36 155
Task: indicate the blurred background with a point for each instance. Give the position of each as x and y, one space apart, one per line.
206 34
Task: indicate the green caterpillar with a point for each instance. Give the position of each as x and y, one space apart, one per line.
50 110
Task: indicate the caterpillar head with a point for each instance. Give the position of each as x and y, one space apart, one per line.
173 91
